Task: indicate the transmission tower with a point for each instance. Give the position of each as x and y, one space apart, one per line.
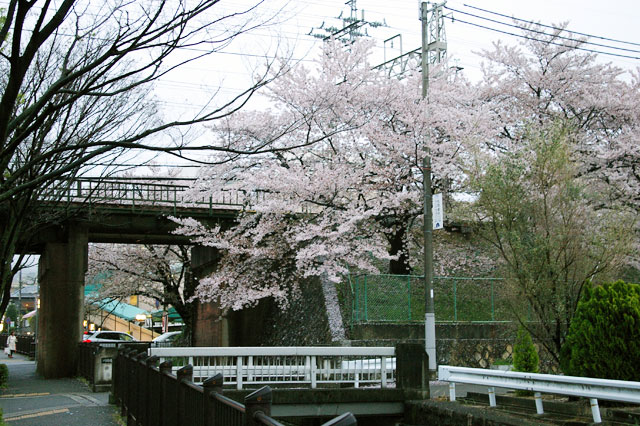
352 26
436 36
436 44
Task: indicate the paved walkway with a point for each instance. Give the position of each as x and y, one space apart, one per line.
29 400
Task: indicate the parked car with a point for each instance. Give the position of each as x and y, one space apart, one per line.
110 337
166 339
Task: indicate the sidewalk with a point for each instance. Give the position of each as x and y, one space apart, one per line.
30 400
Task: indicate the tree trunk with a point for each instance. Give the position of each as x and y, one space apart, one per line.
398 247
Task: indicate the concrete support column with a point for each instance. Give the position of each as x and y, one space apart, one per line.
209 327
61 275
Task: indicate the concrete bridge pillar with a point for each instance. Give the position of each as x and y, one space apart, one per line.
61 274
210 328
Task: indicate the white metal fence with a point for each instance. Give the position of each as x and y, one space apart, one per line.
309 366
594 389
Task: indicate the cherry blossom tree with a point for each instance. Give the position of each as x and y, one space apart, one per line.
345 203
158 272
545 79
557 180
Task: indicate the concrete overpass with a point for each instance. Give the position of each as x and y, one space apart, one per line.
130 211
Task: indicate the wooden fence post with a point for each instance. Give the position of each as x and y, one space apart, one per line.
150 362
185 373
167 399
259 400
211 385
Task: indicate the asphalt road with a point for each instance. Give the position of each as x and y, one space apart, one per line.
29 400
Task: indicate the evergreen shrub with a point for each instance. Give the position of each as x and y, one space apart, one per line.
525 356
604 337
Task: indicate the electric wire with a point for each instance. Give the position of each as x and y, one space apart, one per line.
553 27
543 32
542 41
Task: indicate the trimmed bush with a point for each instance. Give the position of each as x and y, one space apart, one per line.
525 356
604 338
4 375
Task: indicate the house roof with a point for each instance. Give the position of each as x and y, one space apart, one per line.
173 314
120 309
27 291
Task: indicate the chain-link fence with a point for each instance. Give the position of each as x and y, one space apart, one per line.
399 298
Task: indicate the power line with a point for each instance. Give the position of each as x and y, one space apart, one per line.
552 27
542 41
151 165
542 32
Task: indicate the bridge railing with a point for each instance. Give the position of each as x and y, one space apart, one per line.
149 394
159 192
587 387
309 366
154 192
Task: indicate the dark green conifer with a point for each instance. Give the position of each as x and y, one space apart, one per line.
604 337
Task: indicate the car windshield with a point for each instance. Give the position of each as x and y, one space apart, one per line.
171 335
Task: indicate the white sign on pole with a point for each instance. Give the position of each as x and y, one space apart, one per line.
437 211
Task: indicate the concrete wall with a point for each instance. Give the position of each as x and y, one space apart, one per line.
248 327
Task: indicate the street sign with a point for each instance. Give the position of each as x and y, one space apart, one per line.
437 211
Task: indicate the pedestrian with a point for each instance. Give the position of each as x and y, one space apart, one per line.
11 343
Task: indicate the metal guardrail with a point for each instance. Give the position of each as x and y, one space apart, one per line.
150 395
592 388
310 366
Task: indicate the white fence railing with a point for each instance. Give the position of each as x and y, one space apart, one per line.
594 389
311 366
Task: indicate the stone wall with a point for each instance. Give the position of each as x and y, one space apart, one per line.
477 345
304 323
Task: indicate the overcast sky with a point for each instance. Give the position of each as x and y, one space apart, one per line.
186 90
617 19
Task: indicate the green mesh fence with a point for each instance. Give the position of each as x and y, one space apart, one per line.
399 298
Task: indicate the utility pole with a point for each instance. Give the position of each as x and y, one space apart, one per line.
433 51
